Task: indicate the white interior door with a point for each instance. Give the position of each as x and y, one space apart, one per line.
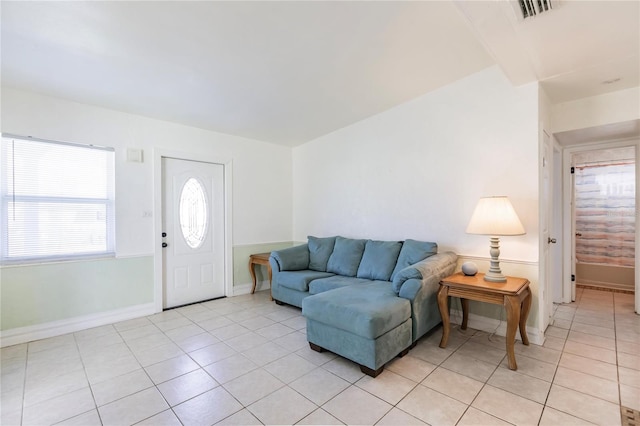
557 249
193 231
546 236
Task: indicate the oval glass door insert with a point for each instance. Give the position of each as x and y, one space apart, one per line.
193 213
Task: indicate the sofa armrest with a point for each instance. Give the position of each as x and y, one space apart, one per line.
290 259
408 281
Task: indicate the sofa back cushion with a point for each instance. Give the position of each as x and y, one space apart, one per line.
346 256
379 260
413 252
319 251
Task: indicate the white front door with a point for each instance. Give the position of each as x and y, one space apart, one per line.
193 231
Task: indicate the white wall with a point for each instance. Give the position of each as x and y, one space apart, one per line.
417 170
614 107
262 171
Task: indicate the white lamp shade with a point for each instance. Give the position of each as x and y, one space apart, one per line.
495 216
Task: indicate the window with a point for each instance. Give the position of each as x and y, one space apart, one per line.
57 200
193 213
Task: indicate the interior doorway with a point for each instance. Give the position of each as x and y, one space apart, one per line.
606 136
604 193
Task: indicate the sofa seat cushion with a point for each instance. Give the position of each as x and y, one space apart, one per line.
299 280
331 283
367 310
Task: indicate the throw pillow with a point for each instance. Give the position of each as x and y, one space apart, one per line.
319 251
346 256
379 259
413 252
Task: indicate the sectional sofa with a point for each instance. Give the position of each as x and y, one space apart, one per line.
365 300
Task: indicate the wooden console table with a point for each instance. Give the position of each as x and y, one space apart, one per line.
259 259
514 295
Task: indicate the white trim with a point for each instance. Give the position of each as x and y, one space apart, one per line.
263 244
158 154
545 214
228 223
133 256
491 325
463 257
30 333
84 259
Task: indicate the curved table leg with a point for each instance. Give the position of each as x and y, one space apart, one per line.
253 275
443 305
524 314
512 305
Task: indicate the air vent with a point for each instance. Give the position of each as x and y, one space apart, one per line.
531 8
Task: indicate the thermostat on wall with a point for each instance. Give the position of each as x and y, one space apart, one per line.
134 155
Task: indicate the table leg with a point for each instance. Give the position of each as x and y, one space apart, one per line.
443 305
524 314
512 305
253 275
465 313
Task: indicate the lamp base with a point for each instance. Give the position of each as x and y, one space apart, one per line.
495 277
494 274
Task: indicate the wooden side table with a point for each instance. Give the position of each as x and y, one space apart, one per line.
515 295
259 259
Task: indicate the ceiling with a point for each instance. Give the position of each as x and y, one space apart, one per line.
578 49
289 72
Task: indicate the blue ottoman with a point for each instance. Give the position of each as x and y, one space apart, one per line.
366 323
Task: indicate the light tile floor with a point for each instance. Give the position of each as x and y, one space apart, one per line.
245 360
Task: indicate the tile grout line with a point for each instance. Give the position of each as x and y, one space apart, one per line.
24 384
84 370
555 372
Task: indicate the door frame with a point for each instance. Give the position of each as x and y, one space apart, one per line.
545 168
550 209
557 272
568 219
158 266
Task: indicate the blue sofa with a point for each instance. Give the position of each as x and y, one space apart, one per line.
365 300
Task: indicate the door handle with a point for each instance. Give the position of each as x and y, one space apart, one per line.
578 234
164 245
551 240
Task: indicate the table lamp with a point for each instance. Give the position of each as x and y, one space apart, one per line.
495 216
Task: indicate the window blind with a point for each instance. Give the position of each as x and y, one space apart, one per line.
57 200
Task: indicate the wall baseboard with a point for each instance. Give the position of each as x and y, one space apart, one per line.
491 325
241 289
30 333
